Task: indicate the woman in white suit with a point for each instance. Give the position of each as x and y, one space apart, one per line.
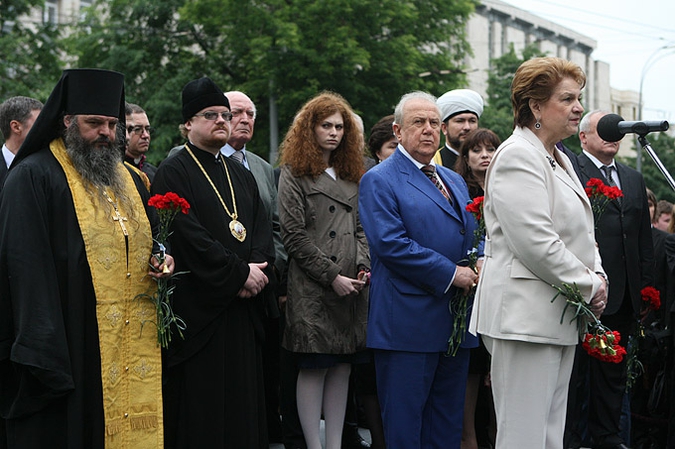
540 233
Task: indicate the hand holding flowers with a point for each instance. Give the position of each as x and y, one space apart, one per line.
466 278
162 267
599 341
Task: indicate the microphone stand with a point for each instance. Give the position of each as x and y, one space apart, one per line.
650 151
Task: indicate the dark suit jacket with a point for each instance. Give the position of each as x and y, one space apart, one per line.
3 172
570 154
624 236
664 272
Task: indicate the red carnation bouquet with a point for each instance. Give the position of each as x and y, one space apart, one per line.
459 305
599 341
651 301
651 298
600 195
167 206
604 346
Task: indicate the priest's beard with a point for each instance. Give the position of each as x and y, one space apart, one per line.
99 164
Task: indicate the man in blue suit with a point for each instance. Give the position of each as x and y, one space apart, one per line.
418 231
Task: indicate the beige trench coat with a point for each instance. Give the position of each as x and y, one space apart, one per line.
323 237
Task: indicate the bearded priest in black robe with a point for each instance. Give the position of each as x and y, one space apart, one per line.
75 258
214 392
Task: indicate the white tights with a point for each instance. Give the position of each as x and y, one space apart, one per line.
327 389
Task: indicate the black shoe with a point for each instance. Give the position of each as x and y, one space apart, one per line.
615 446
351 439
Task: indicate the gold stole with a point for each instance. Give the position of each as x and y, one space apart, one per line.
131 369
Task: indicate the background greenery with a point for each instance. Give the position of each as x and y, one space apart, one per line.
280 52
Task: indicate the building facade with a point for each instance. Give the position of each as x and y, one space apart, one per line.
496 25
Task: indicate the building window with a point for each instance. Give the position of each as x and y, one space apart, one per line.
84 4
50 13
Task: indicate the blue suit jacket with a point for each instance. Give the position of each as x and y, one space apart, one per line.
416 238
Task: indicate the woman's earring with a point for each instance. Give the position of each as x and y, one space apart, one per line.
537 125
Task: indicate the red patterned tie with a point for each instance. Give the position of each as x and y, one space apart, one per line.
430 171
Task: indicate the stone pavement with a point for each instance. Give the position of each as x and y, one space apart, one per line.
365 434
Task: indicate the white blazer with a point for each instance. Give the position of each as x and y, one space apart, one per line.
540 232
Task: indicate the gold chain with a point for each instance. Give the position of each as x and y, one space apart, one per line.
229 182
117 217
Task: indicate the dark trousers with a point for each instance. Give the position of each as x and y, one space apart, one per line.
601 387
271 370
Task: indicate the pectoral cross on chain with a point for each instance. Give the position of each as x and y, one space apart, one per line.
120 219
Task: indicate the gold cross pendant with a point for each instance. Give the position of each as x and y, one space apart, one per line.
119 218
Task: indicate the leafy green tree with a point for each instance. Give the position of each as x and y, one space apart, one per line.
371 52
29 58
498 115
278 52
664 147
156 51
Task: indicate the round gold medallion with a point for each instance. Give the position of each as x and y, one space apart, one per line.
238 230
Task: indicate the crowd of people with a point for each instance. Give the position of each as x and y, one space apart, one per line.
351 284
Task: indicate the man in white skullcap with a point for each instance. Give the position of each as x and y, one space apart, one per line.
460 111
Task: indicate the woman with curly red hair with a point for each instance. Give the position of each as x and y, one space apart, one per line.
326 309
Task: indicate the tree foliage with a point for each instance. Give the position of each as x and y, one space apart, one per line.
498 115
29 59
371 52
156 51
279 52
664 147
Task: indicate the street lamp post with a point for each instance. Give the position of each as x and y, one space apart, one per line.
648 65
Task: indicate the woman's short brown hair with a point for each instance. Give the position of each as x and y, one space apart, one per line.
535 80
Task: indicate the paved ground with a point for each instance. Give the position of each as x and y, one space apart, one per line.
365 434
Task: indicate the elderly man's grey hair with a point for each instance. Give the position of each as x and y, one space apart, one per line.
417 94
585 124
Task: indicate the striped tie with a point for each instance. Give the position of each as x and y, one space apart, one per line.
607 170
238 156
430 171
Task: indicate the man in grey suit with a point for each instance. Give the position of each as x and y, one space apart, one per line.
242 126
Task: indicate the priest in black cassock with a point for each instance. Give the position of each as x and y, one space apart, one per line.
75 247
214 392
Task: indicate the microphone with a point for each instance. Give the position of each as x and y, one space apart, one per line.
612 127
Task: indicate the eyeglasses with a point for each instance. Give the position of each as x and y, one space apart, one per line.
210 115
237 112
138 130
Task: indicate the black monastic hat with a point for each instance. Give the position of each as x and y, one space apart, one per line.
199 94
79 91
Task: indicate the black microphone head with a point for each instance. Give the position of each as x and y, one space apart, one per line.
608 128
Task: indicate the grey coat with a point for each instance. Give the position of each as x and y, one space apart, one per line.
323 237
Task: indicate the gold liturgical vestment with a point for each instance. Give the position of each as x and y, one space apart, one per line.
130 359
